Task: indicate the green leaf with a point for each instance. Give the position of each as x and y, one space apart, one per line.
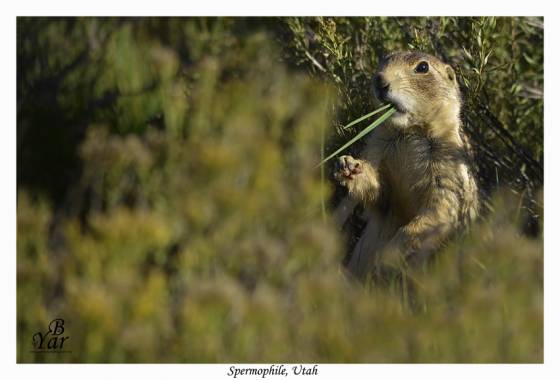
364 132
366 116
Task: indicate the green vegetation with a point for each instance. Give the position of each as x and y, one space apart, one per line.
500 66
364 131
170 208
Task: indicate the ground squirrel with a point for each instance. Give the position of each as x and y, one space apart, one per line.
414 178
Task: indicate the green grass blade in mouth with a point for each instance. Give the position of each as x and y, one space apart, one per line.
364 132
366 116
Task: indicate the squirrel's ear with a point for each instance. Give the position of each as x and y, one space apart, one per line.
450 73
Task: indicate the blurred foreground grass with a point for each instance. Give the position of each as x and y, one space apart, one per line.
169 209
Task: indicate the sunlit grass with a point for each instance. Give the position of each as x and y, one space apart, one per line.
364 131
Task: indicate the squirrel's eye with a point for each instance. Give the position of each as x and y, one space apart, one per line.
422 67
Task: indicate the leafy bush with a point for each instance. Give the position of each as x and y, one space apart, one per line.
500 62
170 208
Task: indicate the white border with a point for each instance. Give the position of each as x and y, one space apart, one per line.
279 8
287 8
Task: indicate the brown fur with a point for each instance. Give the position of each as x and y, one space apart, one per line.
414 178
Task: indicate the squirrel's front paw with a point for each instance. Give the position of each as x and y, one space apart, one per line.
346 169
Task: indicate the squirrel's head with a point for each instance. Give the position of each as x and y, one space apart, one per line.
420 86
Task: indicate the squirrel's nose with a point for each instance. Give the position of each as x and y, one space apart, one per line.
380 85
